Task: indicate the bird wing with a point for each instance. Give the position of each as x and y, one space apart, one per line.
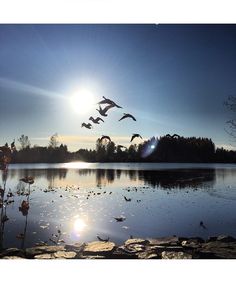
99 119
122 118
132 138
105 109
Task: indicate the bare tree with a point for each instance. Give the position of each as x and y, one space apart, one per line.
230 103
24 142
53 142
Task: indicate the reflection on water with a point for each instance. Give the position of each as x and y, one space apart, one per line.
71 203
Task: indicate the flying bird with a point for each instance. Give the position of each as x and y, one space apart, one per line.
135 136
127 115
105 137
108 101
96 121
104 110
88 125
173 136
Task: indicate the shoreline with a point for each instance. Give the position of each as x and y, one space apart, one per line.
217 247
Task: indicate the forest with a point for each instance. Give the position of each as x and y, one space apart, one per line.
163 149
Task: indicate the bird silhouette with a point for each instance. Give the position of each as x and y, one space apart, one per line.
127 199
108 101
135 136
173 136
96 121
88 125
127 115
104 110
105 137
102 239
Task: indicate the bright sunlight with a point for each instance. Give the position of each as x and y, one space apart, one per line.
82 101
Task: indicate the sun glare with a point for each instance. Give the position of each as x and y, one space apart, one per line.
79 225
82 101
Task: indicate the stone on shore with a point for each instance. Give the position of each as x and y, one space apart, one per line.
99 248
38 250
175 255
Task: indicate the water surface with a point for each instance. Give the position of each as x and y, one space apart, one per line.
75 202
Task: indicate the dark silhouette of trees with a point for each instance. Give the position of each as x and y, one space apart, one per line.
163 149
24 142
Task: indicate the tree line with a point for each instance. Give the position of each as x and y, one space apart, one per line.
164 149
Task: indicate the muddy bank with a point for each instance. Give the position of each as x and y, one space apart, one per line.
220 247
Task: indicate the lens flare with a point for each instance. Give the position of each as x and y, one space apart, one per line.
149 147
79 225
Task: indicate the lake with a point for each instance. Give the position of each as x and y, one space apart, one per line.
75 202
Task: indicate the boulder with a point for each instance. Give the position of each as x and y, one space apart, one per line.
99 248
136 241
31 252
175 255
218 250
65 255
165 241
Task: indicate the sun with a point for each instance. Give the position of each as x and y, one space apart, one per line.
82 101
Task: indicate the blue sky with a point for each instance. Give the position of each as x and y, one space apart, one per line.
172 78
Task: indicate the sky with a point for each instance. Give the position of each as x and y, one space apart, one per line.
172 78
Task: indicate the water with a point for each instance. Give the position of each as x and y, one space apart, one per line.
75 202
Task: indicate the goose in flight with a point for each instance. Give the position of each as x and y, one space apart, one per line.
135 136
127 115
88 125
104 110
96 121
105 137
108 101
173 136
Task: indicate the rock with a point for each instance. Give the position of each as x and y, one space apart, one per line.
218 249
136 241
44 257
64 255
31 252
12 258
148 255
132 248
77 247
175 255
165 241
226 238
12 252
191 243
99 248
92 257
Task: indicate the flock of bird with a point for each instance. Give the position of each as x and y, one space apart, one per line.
103 112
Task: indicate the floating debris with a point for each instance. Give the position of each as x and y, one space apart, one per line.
120 219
